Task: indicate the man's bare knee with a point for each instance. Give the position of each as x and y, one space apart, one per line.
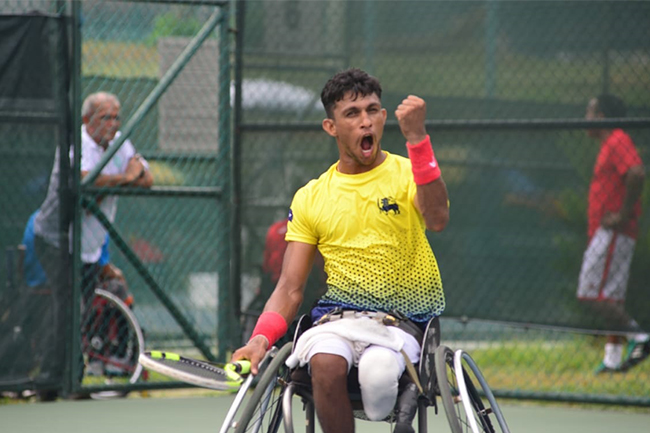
327 368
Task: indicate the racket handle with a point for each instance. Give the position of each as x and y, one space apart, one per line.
234 370
242 367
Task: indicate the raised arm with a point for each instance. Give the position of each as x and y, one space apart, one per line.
284 301
431 201
431 198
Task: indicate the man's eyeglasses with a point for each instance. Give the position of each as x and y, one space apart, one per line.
109 117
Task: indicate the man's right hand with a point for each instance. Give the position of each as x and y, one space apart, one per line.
254 351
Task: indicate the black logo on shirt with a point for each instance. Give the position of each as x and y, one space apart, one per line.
388 204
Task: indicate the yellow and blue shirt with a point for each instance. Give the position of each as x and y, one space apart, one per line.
366 226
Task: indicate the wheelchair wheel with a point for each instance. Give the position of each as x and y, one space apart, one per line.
263 411
483 414
449 391
112 340
427 370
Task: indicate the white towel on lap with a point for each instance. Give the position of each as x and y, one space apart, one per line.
359 333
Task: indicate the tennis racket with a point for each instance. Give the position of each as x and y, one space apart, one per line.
227 377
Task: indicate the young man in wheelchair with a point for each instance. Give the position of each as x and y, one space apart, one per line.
367 216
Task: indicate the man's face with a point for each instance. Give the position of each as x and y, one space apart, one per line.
358 126
104 123
592 113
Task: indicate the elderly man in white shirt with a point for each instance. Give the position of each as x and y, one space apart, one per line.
101 121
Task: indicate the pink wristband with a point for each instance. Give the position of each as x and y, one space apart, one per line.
271 325
423 162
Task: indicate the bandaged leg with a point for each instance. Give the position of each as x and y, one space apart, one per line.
379 372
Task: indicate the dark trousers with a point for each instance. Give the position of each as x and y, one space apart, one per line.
49 312
59 287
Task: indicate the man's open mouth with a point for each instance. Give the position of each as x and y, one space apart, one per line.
366 143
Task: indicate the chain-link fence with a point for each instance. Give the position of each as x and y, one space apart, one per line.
33 121
167 63
506 86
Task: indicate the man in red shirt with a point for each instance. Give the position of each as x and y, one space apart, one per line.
613 215
274 249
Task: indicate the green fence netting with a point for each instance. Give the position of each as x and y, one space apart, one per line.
506 86
33 121
168 64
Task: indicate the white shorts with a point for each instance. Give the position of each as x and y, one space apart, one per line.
337 346
606 266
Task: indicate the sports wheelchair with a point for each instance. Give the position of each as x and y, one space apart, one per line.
111 336
454 377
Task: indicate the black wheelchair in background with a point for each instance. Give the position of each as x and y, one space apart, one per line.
111 336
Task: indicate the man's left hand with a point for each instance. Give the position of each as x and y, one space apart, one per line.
613 221
411 114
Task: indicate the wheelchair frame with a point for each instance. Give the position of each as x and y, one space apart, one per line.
105 306
271 403
102 299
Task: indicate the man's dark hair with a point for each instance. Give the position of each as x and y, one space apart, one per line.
351 80
611 106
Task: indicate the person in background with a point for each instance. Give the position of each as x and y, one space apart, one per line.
274 249
614 207
34 275
101 122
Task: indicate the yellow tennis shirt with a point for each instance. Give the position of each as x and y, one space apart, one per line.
366 226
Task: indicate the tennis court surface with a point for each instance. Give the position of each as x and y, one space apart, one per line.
204 414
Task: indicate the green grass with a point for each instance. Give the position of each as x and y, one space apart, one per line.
562 367
546 365
119 59
518 77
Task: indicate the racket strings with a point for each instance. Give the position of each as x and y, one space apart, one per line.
194 367
196 372
203 365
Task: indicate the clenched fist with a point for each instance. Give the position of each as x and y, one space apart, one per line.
411 114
